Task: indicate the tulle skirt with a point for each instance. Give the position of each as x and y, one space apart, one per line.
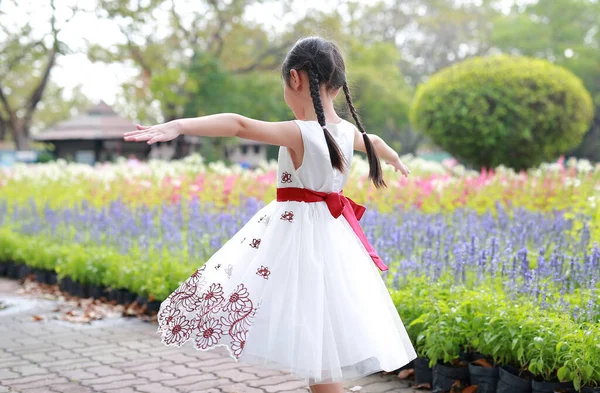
293 290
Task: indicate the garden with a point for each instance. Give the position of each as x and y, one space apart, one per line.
492 267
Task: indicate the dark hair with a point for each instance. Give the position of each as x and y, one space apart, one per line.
324 64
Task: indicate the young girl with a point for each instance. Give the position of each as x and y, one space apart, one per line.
298 287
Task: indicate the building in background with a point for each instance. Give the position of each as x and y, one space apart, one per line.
97 136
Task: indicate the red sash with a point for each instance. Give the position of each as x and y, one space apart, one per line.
338 205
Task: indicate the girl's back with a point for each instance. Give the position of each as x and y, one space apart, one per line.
316 173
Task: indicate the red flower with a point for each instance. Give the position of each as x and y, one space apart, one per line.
288 216
237 300
196 278
179 332
263 271
286 177
209 333
238 343
214 295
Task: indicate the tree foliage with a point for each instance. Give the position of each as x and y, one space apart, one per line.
509 110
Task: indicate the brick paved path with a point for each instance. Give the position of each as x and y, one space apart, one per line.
124 355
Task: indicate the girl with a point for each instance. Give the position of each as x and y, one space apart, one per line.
298 287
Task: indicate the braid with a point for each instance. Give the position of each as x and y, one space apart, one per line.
375 172
337 158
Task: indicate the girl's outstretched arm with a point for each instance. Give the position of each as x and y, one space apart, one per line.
284 133
383 151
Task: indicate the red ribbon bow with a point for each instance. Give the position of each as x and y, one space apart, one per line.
338 205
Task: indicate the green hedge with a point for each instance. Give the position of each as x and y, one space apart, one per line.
503 110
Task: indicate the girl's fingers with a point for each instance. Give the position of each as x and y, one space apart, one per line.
141 127
138 132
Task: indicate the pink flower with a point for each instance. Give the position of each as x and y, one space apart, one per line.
210 332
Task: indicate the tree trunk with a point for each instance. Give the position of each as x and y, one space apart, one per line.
21 138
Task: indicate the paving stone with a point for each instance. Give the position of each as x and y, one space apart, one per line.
38 357
41 383
380 387
75 365
108 379
285 386
190 379
134 367
236 375
155 388
240 388
78 374
30 369
180 370
219 367
121 390
7 374
71 388
261 372
277 379
103 371
155 375
132 381
202 386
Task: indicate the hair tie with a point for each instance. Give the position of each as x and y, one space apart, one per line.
363 132
324 127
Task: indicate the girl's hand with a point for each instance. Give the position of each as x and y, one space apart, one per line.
158 133
400 166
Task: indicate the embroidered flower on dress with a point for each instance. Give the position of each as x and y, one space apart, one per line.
263 271
238 343
214 295
196 278
167 314
288 216
255 243
237 300
179 332
209 333
218 266
186 298
229 271
286 177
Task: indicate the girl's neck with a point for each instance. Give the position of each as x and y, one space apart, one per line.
330 115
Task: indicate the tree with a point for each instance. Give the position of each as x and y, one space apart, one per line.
503 110
26 62
564 32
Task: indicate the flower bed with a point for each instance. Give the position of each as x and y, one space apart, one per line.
496 264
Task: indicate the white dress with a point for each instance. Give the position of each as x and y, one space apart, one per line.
294 289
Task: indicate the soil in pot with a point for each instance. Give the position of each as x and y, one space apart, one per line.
65 284
3 268
129 297
120 296
94 291
423 373
486 378
550 387
445 376
509 381
141 300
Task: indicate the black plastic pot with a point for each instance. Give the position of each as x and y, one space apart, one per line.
121 296
24 271
111 294
141 300
51 278
510 382
40 275
95 291
589 389
129 297
12 270
153 307
444 376
3 269
65 284
485 378
550 387
423 373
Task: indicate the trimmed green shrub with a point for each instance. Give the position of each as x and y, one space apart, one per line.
503 110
